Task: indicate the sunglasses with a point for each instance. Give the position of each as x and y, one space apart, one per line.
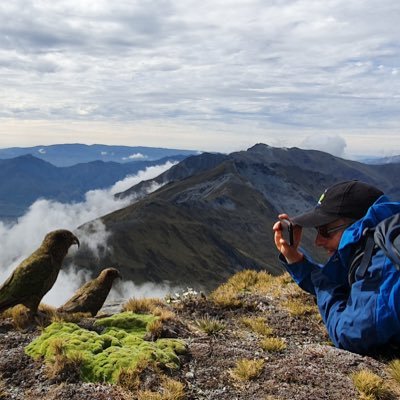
326 232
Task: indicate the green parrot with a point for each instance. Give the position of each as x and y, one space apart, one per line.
91 296
36 275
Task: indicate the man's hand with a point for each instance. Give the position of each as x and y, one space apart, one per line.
291 253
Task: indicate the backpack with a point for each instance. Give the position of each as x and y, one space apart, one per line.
386 237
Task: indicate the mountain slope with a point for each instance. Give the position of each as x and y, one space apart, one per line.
204 225
184 235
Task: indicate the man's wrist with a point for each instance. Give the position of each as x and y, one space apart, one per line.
299 257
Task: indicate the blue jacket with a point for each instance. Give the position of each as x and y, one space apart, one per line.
365 317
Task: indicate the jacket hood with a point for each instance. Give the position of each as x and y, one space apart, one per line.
380 210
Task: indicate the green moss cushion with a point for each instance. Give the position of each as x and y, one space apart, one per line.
119 346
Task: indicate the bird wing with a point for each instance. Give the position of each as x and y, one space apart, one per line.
27 279
79 297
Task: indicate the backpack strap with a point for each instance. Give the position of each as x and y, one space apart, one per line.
387 236
368 250
362 257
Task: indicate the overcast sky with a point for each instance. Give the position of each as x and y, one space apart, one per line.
208 75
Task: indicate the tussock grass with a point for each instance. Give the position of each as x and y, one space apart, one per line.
394 370
210 325
246 281
61 366
155 328
257 325
371 386
70 317
246 370
21 318
130 378
170 390
230 294
141 306
226 296
298 308
273 344
163 314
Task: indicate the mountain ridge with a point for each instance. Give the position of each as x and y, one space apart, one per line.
26 178
207 222
68 154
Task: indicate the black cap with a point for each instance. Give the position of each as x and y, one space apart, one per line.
350 199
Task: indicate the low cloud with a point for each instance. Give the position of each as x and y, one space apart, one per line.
22 238
331 144
136 156
123 290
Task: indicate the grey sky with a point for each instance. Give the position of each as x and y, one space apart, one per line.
210 75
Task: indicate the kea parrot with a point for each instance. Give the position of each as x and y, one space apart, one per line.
90 297
36 275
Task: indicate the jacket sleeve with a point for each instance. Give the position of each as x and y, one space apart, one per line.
301 272
351 315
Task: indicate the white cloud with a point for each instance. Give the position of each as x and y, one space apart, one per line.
334 145
22 238
136 156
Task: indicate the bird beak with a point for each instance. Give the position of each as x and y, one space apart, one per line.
76 241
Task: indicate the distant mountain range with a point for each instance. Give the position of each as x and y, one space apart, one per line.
63 155
25 179
383 160
214 214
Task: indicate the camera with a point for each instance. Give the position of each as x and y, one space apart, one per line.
287 231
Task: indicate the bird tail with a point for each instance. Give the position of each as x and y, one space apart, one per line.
4 305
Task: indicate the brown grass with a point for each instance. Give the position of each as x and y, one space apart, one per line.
155 328
142 306
247 281
273 344
298 308
257 325
371 386
130 378
163 314
61 366
394 370
210 325
246 370
170 390
70 317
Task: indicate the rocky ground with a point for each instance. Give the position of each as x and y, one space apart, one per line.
308 368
